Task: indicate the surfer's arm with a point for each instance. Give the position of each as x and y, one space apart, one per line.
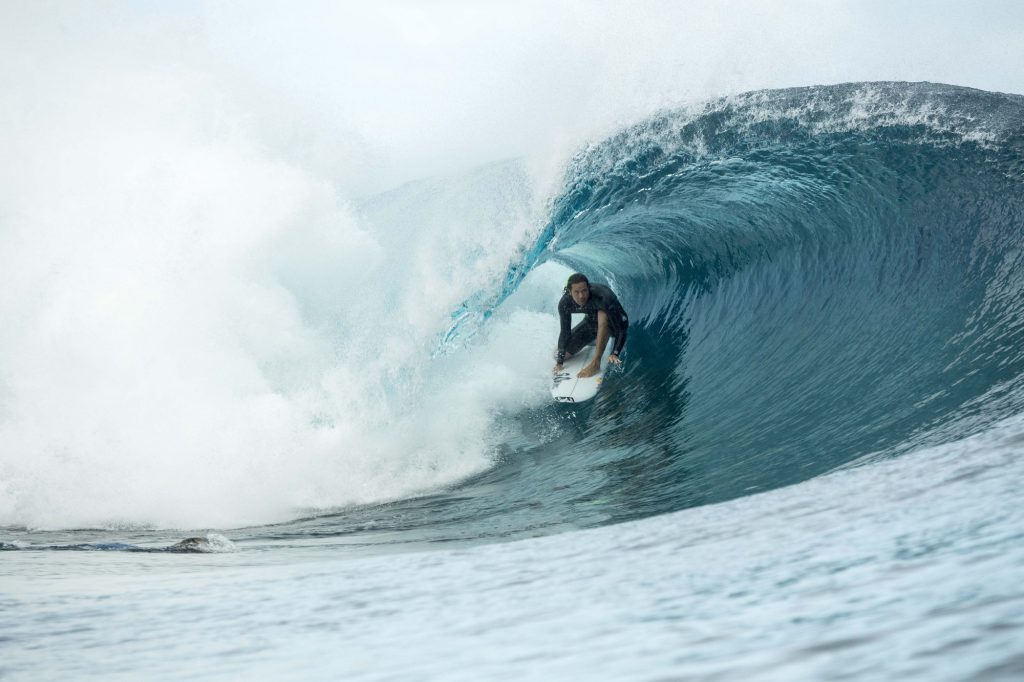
602 341
620 341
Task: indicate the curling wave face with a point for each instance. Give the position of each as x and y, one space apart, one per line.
815 278
820 275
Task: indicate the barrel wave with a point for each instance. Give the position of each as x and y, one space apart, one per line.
815 435
816 278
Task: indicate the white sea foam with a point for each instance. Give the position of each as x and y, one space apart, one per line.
200 335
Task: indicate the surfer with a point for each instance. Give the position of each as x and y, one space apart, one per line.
604 317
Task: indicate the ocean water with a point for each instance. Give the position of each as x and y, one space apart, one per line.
808 467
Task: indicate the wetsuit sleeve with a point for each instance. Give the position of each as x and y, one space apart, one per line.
620 338
565 322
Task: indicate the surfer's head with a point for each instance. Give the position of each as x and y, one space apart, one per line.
579 288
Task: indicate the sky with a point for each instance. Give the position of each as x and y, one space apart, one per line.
372 95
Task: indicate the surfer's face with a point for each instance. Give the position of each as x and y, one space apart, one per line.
580 292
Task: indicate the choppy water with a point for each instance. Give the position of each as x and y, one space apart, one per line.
906 569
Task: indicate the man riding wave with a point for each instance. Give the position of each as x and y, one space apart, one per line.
604 317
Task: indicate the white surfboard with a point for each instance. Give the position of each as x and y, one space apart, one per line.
567 387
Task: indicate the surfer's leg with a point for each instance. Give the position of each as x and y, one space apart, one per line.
582 334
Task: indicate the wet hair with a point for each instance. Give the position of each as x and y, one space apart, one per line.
576 278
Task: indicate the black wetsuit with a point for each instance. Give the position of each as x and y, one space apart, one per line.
601 298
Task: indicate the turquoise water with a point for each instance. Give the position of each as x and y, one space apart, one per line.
807 468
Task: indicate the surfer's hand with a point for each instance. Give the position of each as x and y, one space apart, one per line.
558 368
614 359
589 371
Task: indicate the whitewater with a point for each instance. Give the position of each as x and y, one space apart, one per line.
253 425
